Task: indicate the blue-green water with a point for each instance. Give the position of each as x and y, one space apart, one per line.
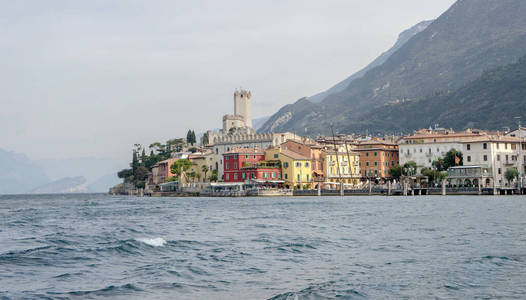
95 246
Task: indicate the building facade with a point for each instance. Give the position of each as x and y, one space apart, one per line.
494 155
342 167
295 168
237 160
377 156
428 145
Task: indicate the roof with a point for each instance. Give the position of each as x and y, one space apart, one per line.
493 138
293 155
246 151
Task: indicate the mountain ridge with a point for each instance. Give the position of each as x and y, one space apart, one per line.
470 37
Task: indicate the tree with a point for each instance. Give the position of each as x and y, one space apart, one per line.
135 162
170 179
511 174
205 139
143 157
190 137
409 168
395 171
451 159
141 173
214 176
140 184
175 145
180 167
204 169
125 173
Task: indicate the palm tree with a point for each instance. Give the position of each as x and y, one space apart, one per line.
180 167
205 170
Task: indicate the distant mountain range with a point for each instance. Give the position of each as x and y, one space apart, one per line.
471 37
21 175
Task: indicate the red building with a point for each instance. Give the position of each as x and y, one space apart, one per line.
249 164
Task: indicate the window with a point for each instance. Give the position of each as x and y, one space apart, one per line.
408 151
376 154
246 156
279 175
376 163
307 164
235 165
497 145
499 171
469 158
298 176
217 150
485 157
506 146
265 175
367 163
276 155
513 158
298 165
498 157
253 175
272 175
227 176
235 176
285 165
307 177
367 153
244 175
485 146
507 157
227 166
420 150
468 147
438 150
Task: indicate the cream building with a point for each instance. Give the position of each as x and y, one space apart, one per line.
427 145
494 154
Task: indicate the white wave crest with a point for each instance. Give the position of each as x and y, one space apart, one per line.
156 242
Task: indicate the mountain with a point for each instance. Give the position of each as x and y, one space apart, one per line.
64 185
284 115
402 39
257 123
470 37
18 173
490 102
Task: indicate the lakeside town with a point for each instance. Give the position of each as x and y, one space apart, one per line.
237 161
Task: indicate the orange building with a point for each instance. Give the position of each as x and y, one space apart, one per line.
377 156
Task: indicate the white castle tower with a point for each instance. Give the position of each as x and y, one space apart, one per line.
243 106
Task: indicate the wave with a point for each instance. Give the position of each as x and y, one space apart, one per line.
156 242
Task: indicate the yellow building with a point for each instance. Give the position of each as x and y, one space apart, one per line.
349 164
295 168
200 160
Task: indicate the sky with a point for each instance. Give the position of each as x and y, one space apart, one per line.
92 78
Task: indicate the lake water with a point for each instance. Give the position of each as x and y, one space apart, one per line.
96 246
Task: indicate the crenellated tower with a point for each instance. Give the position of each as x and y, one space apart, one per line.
243 106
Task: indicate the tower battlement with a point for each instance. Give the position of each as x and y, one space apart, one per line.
243 105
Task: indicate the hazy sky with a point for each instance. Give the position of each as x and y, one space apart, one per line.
91 78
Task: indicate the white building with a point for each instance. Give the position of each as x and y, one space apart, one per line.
495 154
428 145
